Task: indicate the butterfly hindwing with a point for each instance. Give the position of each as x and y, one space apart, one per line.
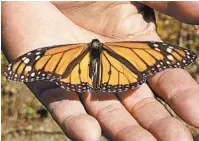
78 78
116 76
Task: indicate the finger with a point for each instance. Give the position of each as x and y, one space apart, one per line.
181 91
153 116
183 11
69 113
115 120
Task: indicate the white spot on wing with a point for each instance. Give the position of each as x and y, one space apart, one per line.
23 58
26 60
28 53
157 49
168 62
37 57
37 53
155 45
32 74
169 50
170 57
28 68
9 68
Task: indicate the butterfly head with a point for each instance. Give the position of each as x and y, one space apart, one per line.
95 44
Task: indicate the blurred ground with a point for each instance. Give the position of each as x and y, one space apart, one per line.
24 118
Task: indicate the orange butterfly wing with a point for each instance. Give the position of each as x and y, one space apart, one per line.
125 65
47 63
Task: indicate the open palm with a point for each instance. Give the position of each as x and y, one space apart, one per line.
133 115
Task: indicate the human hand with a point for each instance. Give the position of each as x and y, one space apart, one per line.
133 115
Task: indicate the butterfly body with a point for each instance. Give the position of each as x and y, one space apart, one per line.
94 65
99 67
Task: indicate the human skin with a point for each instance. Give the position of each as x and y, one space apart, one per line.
133 115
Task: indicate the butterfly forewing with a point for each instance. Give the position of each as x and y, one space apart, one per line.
48 63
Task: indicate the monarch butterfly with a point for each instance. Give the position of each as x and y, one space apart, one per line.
96 66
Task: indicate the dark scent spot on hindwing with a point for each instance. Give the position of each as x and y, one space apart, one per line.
109 73
79 71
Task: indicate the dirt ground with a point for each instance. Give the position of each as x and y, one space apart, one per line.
24 118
